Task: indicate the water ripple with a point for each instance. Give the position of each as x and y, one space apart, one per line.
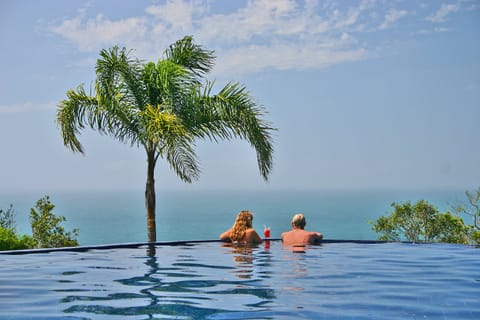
210 281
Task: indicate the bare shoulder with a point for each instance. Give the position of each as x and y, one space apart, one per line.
251 232
226 235
252 236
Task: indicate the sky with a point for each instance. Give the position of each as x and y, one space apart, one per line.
365 94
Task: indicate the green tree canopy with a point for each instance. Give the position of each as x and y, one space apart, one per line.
164 107
421 222
46 229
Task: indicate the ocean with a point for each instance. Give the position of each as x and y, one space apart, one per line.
109 217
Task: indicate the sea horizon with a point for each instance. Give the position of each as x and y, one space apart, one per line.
118 216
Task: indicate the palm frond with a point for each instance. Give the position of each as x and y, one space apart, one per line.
233 113
132 88
76 112
121 93
162 125
80 110
195 58
165 131
119 78
168 83
181 156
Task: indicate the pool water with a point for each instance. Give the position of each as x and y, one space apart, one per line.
345 280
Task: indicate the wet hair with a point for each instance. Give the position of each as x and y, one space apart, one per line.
242 223
299 221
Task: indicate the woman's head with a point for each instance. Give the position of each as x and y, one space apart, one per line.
244 218
242 223
298 221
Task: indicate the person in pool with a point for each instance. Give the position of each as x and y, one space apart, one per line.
299 236
242 230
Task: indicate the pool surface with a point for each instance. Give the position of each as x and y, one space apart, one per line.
210 280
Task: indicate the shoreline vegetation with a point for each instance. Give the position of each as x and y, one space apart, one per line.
422 222
47 231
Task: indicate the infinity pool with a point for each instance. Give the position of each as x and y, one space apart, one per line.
210 280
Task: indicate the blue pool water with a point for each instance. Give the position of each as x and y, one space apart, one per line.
339 280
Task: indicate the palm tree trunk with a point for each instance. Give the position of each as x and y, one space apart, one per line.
150 198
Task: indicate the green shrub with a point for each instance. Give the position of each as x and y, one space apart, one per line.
475 236
422 222
452 229
9 240
46 229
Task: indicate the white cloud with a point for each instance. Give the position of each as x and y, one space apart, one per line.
257 35
176 13
443 12
258 18
392 16
99 32
283 34
284 57
27 106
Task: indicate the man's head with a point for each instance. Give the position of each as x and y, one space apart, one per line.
298 221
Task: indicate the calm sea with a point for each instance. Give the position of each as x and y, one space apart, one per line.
119 217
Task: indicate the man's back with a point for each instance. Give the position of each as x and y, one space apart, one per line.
299 237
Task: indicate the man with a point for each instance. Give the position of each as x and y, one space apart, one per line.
299 236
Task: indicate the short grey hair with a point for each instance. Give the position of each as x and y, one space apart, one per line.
299 221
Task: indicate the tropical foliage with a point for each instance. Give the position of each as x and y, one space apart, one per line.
9 240
46 229
472 210
164 107
422 222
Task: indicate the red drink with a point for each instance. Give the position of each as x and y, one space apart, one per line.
266 232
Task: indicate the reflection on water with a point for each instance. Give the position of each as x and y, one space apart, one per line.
177 282
218 281
243 258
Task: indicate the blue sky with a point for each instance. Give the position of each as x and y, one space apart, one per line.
365 94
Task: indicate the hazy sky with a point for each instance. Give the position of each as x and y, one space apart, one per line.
365 94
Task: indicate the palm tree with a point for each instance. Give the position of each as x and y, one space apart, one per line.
164 108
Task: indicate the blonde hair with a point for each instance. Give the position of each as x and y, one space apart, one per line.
299 221
242 223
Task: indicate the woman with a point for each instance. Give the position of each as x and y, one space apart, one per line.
242 230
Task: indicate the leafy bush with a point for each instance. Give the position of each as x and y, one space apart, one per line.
422 222
452 229
46 229
9 240
475 236
472 209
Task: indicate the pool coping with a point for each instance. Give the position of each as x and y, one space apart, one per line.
161 243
